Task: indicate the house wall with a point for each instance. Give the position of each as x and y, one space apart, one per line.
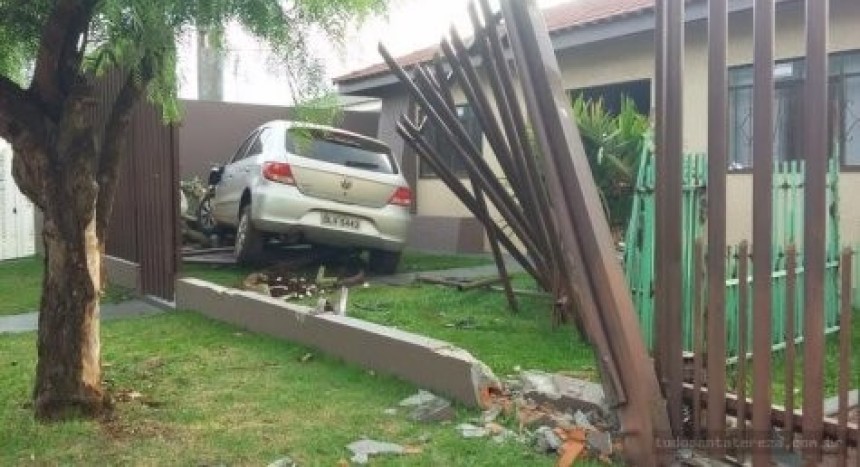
632 58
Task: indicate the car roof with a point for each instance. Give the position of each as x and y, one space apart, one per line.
290 124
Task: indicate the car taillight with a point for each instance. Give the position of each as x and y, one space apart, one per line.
279 172
402 197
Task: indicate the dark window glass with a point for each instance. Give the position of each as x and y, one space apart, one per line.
445 150
243 149
341 149
844 117
257 147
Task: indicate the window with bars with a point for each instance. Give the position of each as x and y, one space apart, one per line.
844 110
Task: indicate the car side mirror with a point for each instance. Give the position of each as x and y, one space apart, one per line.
215 175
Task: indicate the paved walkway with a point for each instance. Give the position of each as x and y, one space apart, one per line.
130 309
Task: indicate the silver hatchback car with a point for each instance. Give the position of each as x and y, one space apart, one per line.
313 184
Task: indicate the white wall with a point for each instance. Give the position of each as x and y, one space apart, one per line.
17 234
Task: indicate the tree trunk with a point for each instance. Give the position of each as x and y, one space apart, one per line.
68 373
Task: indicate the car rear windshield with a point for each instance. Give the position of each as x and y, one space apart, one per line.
338 148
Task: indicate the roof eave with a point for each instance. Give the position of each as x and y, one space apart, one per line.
638 22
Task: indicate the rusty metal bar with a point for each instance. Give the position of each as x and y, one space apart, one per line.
517 131
698 335
743 337
446 120
412 134
815 137
661 38
716 261
442 80
668 249
470 84
454 132
763 97
489 45
790 336
643 414
845 331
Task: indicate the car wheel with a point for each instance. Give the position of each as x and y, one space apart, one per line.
206 223
383 262
249 241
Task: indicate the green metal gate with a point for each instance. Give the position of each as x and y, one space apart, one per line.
788 182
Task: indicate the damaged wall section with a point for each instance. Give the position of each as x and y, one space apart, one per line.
428 363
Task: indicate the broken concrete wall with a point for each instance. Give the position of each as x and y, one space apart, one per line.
428 363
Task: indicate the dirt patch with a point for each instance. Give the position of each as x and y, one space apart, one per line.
118 428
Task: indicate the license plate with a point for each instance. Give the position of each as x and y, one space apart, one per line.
340 221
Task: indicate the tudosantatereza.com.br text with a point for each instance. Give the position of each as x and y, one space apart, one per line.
748 443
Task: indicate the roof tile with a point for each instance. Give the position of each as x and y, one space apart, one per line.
569 15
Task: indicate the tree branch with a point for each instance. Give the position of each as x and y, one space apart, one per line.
60 53
22 124
19 115
113 143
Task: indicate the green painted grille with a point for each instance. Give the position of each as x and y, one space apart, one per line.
788 181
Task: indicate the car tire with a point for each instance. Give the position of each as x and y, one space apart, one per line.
248 248
383 262
206 223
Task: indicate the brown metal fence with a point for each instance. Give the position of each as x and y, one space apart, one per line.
143 227
789 422
730 405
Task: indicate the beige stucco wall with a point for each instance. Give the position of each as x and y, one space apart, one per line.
632 58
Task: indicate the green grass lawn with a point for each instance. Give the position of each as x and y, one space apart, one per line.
21 286
478 320
212 395
831 368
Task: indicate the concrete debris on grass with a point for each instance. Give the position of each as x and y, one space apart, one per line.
290 283
563 393
284 462
467 430
362 450
555 414
428 407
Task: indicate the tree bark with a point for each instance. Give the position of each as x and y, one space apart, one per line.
68 372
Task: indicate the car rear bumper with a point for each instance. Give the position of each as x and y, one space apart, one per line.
283 209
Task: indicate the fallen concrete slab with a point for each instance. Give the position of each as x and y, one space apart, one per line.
428 363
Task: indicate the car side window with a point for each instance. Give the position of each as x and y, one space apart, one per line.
243 149
259 142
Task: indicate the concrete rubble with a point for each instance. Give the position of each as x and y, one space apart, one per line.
563 393
553 413
428 407
467 430
363 450
284 462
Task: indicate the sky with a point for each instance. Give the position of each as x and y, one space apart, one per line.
250 76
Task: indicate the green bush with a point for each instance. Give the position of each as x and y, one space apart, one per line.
613 145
